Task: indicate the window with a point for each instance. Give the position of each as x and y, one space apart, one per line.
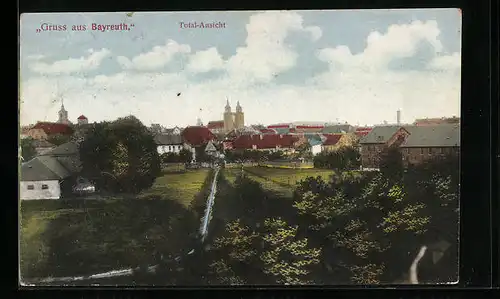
421 151
31 187
45 187
440 150
429 151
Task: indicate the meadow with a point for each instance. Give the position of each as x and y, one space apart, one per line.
282 180
80 237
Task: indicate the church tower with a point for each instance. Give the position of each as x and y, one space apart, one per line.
228 117
63 115
239 117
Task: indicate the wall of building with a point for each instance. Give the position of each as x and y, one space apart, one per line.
35 190
370 155
316 149
417 155
38 134
175 148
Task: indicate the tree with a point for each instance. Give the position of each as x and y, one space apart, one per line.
391 163
121 155
185 156
58 139
28 150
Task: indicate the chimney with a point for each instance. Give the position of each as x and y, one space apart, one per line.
398 117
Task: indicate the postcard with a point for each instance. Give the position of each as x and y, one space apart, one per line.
239 148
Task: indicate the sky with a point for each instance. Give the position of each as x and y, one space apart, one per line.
355 66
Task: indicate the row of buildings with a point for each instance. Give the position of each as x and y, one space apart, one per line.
425 138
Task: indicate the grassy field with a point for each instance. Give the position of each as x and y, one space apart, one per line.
282 180
181 186
278 180
78 237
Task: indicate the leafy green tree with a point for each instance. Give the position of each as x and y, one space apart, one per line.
391 163
121 154
286 257
28 150
58 139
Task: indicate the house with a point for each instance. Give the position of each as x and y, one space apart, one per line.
216 127
210 149
51 175
173 131
40 178
196 136
427 142
24 131
280 128
330 142
316 145
337 129
379 138
271 142
42 130
82 120
362 131
42 146
169 143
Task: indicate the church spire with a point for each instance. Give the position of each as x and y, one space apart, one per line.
228 107
238 107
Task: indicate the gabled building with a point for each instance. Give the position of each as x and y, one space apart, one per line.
430 142
216 127
196 136
337 129
169 143
43 130
42 146
377 140
272 142
51 175
173 131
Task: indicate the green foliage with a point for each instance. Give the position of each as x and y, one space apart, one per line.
120 155
58 139
253 155
342 159
28 150
184 156
391 163
286 257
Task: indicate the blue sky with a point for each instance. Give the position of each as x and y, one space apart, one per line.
355 66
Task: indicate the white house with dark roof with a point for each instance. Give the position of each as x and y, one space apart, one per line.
169 143
43 176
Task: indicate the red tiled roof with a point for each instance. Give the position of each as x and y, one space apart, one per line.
278 126
361 133
310 127
197 135
264 141
216 124
54 128
363 129
267 131
331 139
82 117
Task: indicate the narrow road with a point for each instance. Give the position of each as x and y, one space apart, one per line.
127 272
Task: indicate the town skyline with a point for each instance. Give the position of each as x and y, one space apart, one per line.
308 66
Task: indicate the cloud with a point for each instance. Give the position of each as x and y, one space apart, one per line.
72 65
446 62
358 87
205 61
266 54
156 59
400 41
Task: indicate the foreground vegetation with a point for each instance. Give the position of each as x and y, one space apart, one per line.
351 227
85 237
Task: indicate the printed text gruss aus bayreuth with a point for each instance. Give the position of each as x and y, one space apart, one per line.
202 25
